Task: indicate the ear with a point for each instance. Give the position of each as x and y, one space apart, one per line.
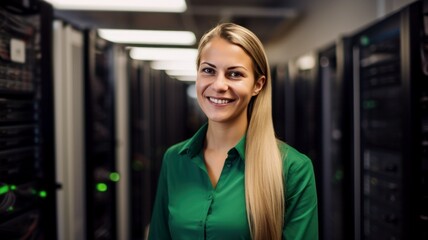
258 86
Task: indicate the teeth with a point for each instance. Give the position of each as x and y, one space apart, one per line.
219 101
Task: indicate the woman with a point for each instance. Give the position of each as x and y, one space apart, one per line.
233 179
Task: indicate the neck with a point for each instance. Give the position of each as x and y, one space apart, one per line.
222 136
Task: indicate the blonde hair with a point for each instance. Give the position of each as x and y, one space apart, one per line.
264 185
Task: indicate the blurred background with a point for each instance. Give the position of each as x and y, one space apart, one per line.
93 92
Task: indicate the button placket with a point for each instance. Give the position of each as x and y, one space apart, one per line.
208 211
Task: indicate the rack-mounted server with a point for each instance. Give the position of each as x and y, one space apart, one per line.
335 76
100 138
27 181
389 107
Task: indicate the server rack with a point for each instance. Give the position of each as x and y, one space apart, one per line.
335 76
100 139
158 119
390 93
305 114
140 149
280 77
27 180
69 130
122 110
306 110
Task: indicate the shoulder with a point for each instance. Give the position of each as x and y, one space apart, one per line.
292 158
297 167
175 150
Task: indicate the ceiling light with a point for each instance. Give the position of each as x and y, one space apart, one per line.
123 5
306 62
186 78
153 54
181 72
148 36
174 65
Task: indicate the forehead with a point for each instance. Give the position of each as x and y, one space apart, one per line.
220 52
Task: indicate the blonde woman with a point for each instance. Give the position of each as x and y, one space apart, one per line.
233 179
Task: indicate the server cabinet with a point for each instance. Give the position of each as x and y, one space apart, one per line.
158 119
100 139
306 86
335 78
140 149
390 93
27 180
122 120
69 130
280 77
306 116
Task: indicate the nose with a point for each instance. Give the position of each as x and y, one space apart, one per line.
220 83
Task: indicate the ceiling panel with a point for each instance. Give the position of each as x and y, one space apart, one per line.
263 17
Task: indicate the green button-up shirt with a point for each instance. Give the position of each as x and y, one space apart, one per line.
188 207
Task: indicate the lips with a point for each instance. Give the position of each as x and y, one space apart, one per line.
219 100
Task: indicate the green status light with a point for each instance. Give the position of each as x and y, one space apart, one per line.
339 175
102 187
13 187
114 176
364 40
369 104
4 189
10 209
42 194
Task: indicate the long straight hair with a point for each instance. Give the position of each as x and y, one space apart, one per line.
264 184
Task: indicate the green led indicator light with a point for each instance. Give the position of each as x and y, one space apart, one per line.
137 166
339 175
10 209
102 187
4 189
42 194
364 40
13 187
114 176
369 104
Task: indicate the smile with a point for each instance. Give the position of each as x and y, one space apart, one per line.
219 101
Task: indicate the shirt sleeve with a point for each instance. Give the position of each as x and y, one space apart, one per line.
159 223
301 216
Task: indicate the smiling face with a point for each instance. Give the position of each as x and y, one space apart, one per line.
226 82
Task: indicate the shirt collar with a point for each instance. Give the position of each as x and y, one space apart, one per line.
195 144
240 147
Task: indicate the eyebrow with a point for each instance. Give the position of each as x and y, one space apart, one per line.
232 67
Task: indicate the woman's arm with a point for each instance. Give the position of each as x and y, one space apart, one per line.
301 216
159 228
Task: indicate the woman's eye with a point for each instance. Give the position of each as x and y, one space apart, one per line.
235 74
208 70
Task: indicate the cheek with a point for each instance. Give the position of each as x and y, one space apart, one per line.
199 88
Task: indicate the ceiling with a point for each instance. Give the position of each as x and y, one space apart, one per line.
267 18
